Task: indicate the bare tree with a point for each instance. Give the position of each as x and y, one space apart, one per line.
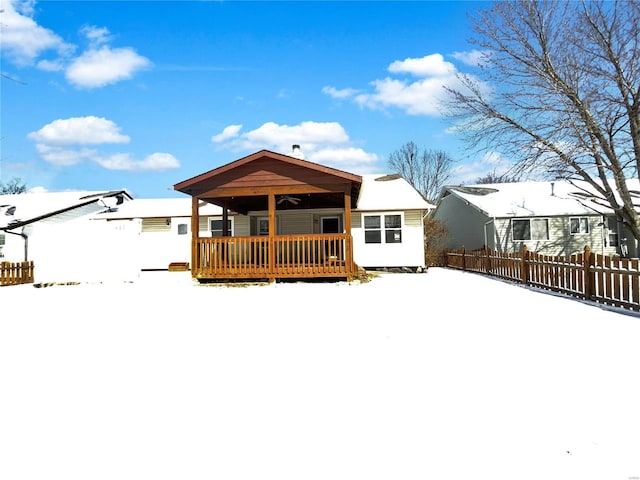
494 177
427 170
564 96
13 186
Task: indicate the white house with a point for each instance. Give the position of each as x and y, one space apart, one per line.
53 229
387 225
552 218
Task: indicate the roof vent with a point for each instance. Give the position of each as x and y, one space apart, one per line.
296 152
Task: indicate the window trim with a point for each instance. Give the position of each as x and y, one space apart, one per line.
530 239
579 232
383 229
219 218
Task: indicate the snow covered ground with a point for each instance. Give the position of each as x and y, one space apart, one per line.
442 375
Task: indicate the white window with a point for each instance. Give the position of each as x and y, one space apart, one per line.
379 227
1 244
579 225
530 229
215 226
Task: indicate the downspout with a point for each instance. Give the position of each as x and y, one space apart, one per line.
486 240
26 242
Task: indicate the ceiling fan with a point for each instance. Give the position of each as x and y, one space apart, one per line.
287 198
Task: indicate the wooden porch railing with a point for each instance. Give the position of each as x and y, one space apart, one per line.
16 273
303 256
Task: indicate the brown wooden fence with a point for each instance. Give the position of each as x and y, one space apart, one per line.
15 273
607 280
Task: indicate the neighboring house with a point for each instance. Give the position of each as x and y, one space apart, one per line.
287 217
53 230
552 218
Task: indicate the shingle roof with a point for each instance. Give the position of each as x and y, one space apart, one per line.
24 208
389 192
525 199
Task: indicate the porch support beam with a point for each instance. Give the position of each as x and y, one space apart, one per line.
225 222
195 234
272 235
347 227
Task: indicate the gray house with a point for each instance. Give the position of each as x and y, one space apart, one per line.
551 218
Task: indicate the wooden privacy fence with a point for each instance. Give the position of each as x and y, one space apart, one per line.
16 273
607 280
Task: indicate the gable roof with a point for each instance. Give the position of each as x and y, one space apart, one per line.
533 199
390 192
18 210
233 170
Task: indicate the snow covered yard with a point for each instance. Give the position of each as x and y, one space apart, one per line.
442 375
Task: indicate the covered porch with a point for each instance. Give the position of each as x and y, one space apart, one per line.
264 186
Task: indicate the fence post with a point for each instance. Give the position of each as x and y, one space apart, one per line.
524 272
589 275
488 253
464 261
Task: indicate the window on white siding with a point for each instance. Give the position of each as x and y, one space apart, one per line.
379 227
1 244
530 229
215 225
182 229
579 225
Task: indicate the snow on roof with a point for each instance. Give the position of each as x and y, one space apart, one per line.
25 207
389 192
527 199
159 207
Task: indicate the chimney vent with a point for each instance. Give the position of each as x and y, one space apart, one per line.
296 152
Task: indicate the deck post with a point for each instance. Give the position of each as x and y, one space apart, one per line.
347 228
272 237
589 275
524 273
195 234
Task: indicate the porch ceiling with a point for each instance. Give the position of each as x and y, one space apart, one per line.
293 201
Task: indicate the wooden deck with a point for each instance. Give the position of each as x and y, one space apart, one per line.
280 256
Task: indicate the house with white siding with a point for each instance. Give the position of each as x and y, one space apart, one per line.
387 224
55 231
551 218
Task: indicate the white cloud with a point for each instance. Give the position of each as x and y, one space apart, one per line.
339 94
473 58
63 157
229 132
124 161
423 96
96 35
79 131
351 159
23 40
58 142
99 67
326 143
432 65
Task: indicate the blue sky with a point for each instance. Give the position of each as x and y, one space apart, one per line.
142 95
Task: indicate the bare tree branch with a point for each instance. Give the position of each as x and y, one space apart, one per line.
565 100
